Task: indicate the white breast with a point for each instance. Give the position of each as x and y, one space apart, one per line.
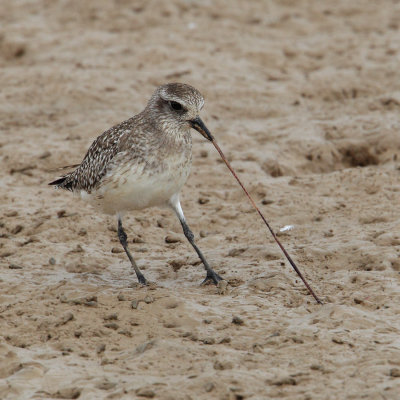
133 187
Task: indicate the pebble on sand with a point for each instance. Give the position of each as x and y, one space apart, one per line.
237 320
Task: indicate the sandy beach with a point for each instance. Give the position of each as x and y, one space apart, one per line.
304 99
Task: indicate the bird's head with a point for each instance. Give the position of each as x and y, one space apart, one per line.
178 105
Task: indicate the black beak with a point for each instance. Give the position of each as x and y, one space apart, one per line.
198 124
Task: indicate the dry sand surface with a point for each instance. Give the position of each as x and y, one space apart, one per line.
304 97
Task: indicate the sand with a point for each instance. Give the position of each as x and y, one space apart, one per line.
304 98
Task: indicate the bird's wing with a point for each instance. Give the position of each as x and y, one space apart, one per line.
97 160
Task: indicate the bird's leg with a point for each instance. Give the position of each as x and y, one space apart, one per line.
123 239
211 274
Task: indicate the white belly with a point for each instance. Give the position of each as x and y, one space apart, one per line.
133 188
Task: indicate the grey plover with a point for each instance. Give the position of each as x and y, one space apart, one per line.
144 162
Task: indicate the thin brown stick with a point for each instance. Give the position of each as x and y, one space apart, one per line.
292 263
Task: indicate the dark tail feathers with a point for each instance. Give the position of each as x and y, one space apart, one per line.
59 181
62 183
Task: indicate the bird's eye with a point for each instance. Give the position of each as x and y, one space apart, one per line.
176 106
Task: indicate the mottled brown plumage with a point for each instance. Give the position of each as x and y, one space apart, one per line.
143 161
153 129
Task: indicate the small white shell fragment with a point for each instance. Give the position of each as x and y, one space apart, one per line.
286 228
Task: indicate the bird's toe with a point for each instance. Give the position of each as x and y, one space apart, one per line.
212 277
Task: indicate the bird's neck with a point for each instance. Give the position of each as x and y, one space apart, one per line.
170 130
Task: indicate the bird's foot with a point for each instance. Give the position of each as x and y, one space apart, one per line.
144 284
142 280
212 276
